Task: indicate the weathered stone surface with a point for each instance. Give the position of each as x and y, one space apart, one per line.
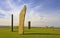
21 20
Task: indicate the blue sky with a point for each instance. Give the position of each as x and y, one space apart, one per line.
39 12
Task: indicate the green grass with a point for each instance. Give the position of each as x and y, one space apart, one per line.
32 33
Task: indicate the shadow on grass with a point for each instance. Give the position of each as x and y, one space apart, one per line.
40 34
13 31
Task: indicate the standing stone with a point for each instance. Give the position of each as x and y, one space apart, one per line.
21 20
12 23
29 24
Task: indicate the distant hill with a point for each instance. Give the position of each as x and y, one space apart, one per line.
5 26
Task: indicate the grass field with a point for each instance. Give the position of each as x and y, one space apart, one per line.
32 33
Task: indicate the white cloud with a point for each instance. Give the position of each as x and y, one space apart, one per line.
32 15
14 10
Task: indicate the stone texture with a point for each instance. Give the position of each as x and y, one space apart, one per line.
21 20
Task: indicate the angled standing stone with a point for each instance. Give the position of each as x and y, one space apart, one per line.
21 20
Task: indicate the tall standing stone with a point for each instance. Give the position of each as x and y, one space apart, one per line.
21 20
12 23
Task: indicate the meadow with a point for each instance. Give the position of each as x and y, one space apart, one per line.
30 33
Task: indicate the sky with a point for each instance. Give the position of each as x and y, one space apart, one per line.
41 13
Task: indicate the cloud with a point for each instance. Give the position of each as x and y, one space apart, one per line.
2 15
42 18
15 10
34 17
36 13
